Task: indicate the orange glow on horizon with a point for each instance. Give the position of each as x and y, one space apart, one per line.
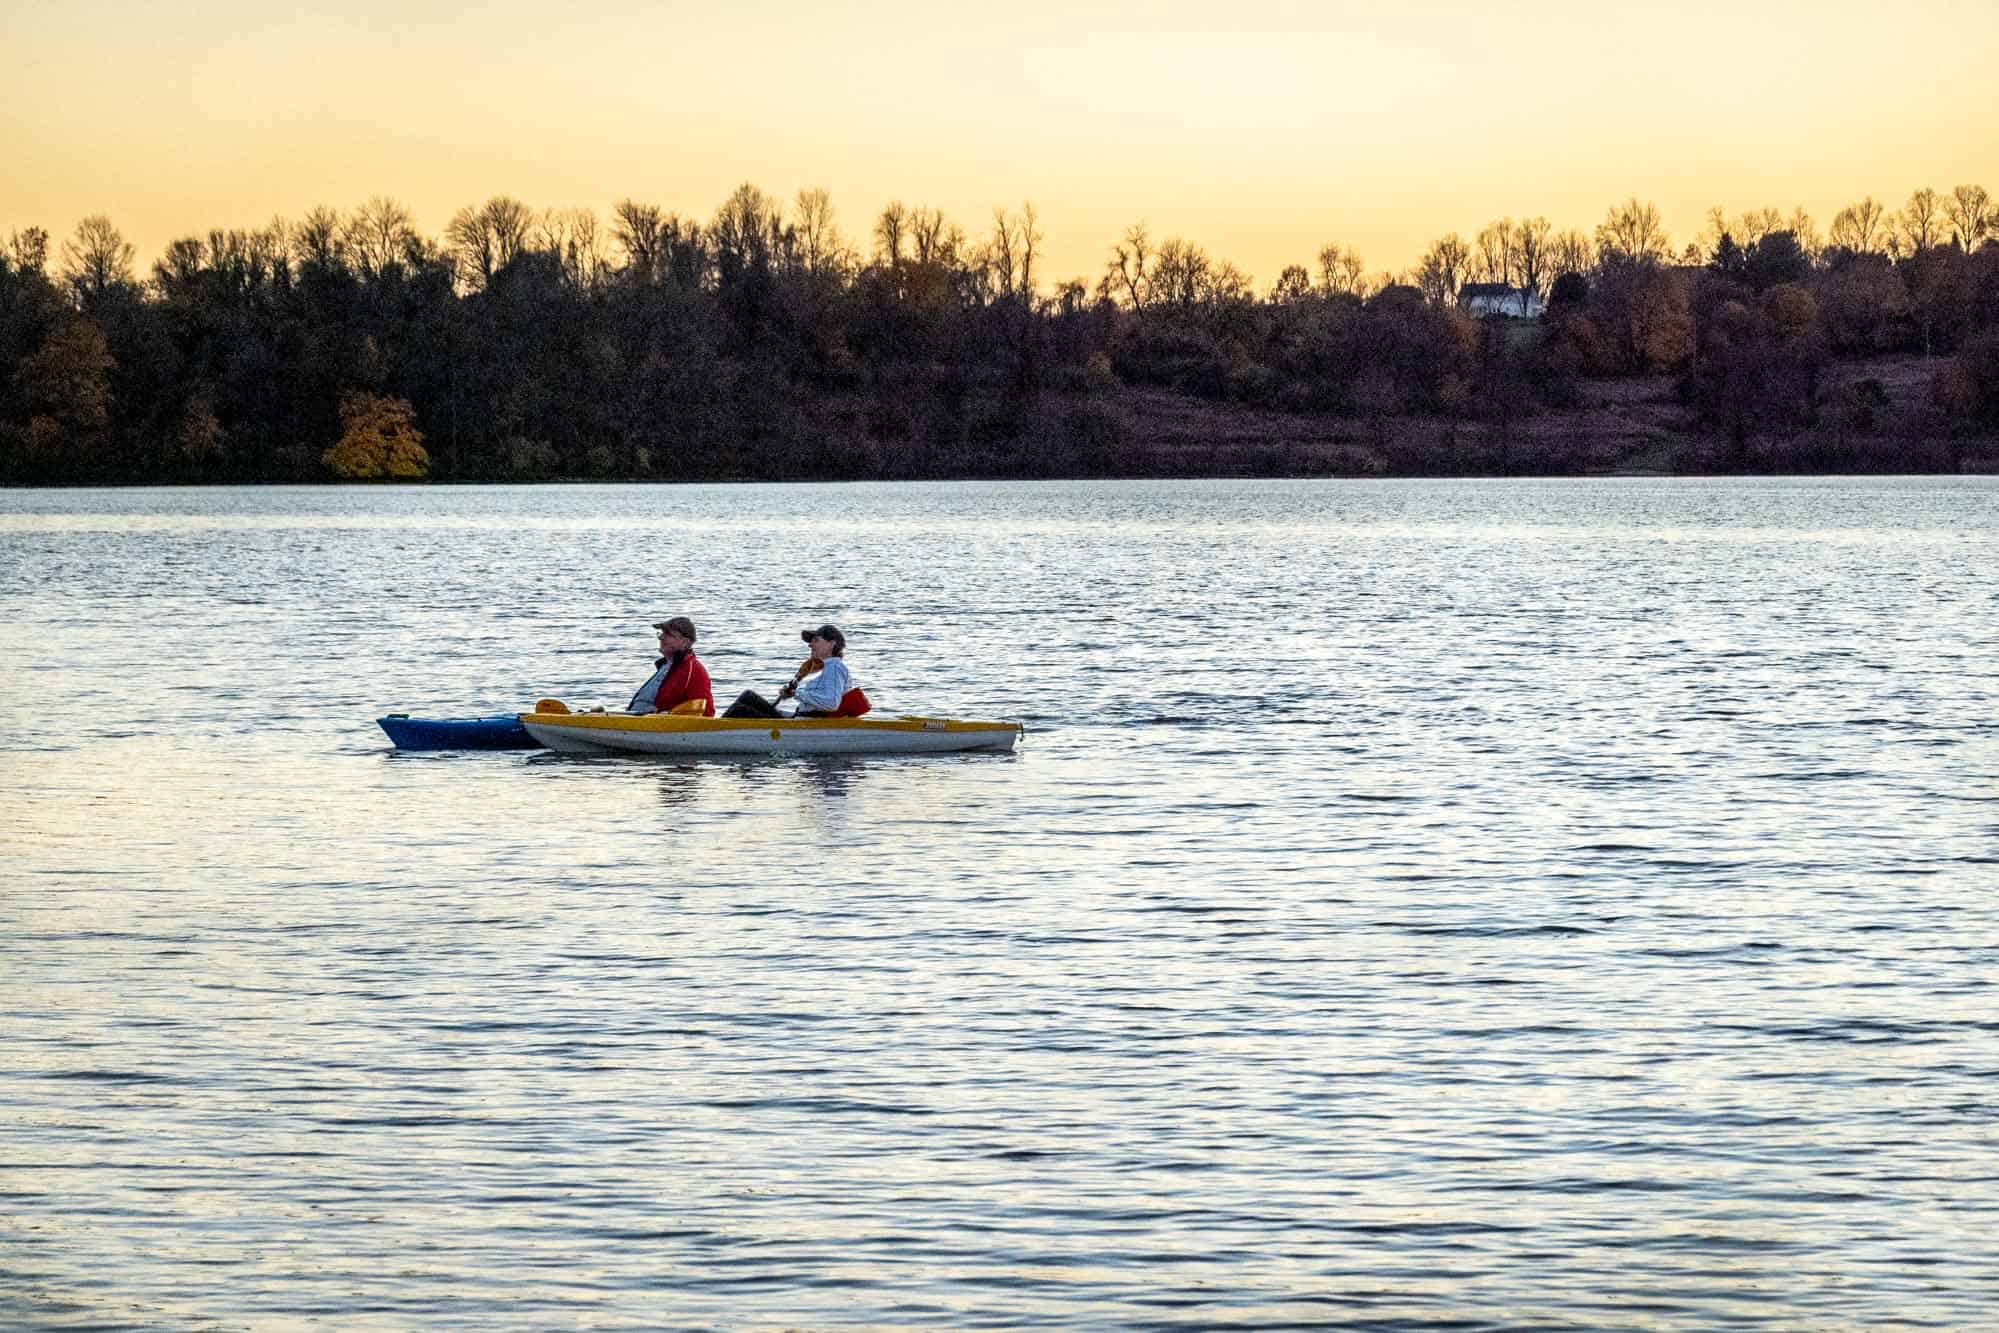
1261 138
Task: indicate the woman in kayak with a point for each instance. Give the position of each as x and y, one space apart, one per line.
823 685
677 676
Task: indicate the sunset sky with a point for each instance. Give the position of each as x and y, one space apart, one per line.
1259 130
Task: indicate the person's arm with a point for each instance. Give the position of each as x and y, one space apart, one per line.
700 687
790 687
822 691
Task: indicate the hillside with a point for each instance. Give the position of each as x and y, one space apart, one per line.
1878 417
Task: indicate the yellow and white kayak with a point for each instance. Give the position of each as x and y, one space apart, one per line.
669 733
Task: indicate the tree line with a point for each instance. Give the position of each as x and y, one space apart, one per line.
763 343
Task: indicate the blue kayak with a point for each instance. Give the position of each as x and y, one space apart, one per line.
503 731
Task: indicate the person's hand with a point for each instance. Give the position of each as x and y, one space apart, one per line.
786 692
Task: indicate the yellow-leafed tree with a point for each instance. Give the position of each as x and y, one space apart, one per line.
68 389
379 439
1791 311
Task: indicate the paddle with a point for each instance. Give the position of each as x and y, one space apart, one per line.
805 668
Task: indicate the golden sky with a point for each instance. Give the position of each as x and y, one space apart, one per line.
1259 130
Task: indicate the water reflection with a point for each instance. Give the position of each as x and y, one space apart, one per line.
828 776
679 783
1442 941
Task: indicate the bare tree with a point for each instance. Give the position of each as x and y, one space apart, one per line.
891 231
378 234
1181 273
1011 253
1128 275
1713 227
1008 257
639 229
821 252
1029 232
1757 223
472 246
1443 269
419 251
320 239
96 259
1571 252
178 268
1293 285
1632 231
1227 285
686 253
1805 232
1971 217
572 237
549 231
1070 298
1353 275
658 246
587 257
269 248
1532 255
486 239
29 249
1342 272
1859 227
996 258
1494 258
1745 229
747 229
508 221
936 240
1922 220
1330 255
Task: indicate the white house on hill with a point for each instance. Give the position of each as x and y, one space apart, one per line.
1497 298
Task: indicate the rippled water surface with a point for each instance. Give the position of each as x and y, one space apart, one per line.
1458 904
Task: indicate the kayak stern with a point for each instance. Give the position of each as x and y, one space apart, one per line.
503 731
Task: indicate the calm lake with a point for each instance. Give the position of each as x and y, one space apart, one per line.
1483 905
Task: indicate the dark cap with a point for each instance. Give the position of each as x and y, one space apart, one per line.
680 625
825 632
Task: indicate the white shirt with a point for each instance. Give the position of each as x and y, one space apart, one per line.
824 688
643 701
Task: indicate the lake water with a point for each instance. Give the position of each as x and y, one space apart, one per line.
1483 905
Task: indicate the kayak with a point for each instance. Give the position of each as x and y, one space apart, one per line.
669 733
502 731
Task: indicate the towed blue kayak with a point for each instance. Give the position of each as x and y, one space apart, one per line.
503 731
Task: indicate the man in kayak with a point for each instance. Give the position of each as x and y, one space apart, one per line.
823 685
677 676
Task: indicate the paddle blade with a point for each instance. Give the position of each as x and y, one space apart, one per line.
550 706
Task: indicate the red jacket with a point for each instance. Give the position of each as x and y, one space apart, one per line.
687 680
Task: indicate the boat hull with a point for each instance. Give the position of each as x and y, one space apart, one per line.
501 732
663 733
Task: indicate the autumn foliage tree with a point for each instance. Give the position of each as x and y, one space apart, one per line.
379 440
67 383
1644 311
